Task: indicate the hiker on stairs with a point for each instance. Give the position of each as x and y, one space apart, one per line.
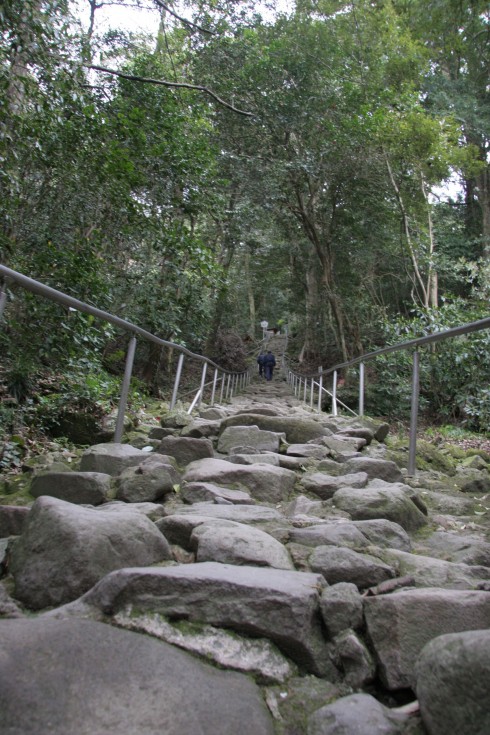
269 364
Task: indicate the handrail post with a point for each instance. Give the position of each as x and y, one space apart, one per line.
228 386
334 394
312 392
414 413
3 299
213 391
203 380
177 381
125 390
320 389
222 388
306 388
361 389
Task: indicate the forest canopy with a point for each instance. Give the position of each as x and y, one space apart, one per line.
245 162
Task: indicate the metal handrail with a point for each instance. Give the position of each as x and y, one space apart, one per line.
8 275
412 344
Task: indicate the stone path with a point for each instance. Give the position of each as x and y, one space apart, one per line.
256 568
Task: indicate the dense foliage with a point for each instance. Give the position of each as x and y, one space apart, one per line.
233 168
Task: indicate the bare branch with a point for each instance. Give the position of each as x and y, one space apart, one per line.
188 23
164 83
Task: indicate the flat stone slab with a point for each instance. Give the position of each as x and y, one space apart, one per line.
186 449
92 488
317 451
431 572
334 533
340 564
413 618
381 469
263 482
298 430
282 606
79 676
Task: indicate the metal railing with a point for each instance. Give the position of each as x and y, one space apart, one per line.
228 382
299 383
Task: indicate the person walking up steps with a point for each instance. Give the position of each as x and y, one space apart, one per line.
269 365
260 360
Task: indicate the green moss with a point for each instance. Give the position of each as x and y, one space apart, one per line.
431 458
14 490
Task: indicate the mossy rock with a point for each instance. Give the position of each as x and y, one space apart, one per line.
14 490
430 457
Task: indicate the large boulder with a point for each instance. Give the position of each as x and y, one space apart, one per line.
124 683
340 564
235 543
381 469
147 482
330 533
298 430
356 714
91 488
186 449
203 492
263 482
65 549
413 618
272 603
453 683
392 502
111 459
341 606
325 486
249 436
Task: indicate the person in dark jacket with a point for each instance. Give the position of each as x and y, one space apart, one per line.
269 365
260 360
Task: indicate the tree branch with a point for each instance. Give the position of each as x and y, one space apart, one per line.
164 83
188 23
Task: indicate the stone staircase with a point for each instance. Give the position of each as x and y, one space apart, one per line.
256 568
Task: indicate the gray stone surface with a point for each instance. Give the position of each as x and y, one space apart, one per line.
330 533
341 605
239 513
272 458
78 676
413 618
92 488
298 430
111 459
381 532
317 451
200 428
325 486
263 482
353 659
280 605
12 519
204 492
356 714
236 543
257 657
64 549
390 502
151 480
456 547
186 449
375 468
453 684
249 436
340 564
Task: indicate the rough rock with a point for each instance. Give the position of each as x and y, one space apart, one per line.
201 428
111 459
353 659
357 714
12 519
340 564
186 449
381 532
124 683
203 492
341 605
453 683
457 547
65 549
375 468
236 543
307 450
263 482
414 617
330 533
325 486
280 605
249 436
91 488
258 657
149 481
390 501
239 513
298 430
273 459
